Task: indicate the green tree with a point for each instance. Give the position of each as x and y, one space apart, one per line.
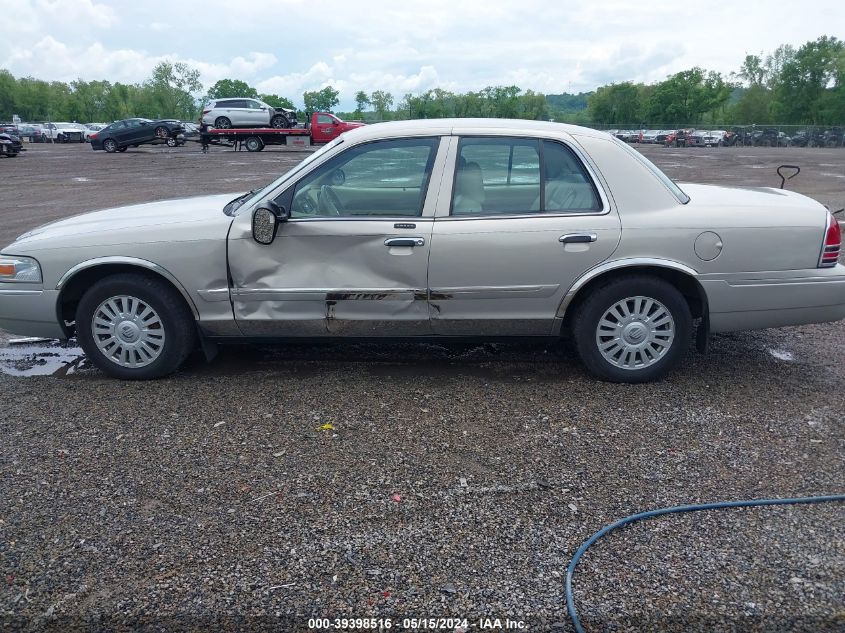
277 102
361 102
320 100
799 92
616 103
231 88
381 102
754 106
170 91
753 71
686 96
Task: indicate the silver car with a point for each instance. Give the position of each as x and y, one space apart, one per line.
232 113
435 229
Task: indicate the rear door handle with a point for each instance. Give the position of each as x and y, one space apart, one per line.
578 238
404 241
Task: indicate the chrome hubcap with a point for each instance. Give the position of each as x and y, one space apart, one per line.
128 331
635 332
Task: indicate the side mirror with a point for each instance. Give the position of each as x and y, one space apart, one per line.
265 222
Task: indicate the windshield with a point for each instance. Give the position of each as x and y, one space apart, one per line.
244 199
682 197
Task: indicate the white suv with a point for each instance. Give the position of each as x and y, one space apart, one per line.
229 113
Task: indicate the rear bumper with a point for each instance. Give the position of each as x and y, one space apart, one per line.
30 312
748 301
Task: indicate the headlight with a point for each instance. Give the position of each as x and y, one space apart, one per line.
19 269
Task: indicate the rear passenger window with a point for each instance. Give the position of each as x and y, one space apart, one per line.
567 186
496 176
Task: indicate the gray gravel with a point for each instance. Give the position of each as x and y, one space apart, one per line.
453 481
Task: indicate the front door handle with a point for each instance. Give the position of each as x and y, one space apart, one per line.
404 241
578 238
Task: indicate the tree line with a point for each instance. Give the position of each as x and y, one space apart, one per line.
804 85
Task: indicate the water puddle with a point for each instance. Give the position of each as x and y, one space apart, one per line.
782 355
40 357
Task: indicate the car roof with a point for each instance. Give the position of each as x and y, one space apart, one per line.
415 127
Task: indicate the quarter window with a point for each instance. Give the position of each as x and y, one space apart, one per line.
381 179
503 176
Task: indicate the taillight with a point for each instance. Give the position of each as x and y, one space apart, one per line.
832 240
92 135
204 112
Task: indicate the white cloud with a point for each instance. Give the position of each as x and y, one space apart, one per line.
412 46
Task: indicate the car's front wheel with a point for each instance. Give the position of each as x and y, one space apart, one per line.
134 327
632 329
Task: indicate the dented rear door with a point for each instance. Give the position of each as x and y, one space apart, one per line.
358 268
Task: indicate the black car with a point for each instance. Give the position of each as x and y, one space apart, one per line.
134 132
13 145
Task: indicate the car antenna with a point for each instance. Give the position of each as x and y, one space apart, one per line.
783 178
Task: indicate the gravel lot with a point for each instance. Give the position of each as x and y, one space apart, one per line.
453 481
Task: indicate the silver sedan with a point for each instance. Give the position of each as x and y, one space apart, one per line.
435 229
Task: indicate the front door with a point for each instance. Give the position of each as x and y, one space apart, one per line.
526 218
352 259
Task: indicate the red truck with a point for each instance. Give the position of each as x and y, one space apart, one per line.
322 128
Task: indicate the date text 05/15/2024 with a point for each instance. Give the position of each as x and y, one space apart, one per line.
455 625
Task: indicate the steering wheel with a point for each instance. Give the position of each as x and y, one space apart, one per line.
306 204
331 201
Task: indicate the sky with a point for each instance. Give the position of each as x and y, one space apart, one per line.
286 47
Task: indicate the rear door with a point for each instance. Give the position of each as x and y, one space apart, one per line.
352 259
525 218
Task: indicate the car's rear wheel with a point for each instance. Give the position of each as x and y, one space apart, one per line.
254 144
134 327
632 329
280 122
172 142
222 123
110 145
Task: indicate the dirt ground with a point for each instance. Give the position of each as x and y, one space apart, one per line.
405 481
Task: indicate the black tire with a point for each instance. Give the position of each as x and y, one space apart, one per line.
254 144
175 318
161 132
171 142
61 138
222 123
121 149
279 121
592 310
110 145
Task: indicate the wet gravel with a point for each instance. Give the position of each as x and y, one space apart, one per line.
397 481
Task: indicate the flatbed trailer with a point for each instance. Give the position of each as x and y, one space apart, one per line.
255 139
322 128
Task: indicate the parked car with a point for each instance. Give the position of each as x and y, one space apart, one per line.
91 128
120 135
65 132
714 138
234 113
661 136
695 138
678 138
10 146
12 133
649 137
434 229
33 132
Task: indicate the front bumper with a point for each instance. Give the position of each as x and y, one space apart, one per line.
29 312
750 301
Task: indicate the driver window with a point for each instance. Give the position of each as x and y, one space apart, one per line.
380 179
324 119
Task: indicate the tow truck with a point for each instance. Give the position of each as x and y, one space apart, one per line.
321 128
